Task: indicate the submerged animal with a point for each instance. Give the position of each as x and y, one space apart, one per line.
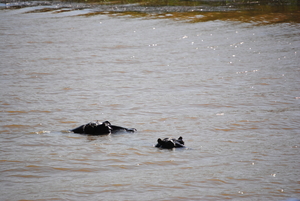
104 128
170 143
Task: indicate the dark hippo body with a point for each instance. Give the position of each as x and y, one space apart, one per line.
170 143
104 128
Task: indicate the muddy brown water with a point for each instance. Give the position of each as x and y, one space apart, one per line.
230 89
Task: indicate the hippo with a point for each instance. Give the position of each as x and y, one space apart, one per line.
104 128
170 143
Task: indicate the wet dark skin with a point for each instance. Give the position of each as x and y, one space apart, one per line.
170 143
104 128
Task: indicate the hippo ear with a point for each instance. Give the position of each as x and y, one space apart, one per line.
159 140
180 138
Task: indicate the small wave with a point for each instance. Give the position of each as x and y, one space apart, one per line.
17 126
216 181
40 132
27 176
225 129
19 111
78 169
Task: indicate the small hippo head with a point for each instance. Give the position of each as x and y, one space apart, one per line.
170 143
166 143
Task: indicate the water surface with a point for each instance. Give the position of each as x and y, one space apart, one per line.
230 89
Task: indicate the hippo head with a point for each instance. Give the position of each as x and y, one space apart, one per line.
97 128
103 128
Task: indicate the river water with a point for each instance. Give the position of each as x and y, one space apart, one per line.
230 89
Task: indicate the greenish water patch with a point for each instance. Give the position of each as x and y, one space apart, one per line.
255 12
266 15
239 3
